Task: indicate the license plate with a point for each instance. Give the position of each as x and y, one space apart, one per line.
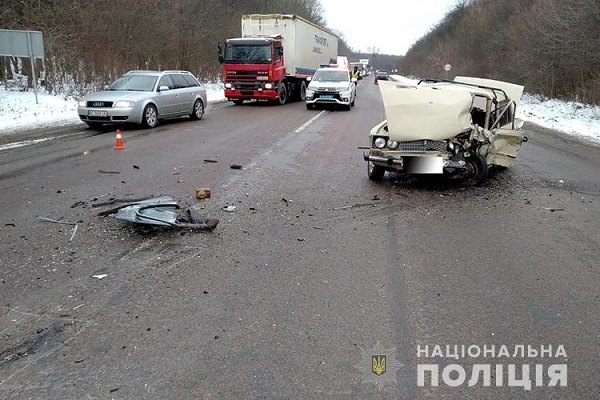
93 113
327 96
423 165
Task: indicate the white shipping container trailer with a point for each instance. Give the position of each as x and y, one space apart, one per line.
306 45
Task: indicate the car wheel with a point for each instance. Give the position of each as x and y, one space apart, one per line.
198 111
477 170
238 102
302 91
282 95
150 116
94 125
375 172
310 106
352 104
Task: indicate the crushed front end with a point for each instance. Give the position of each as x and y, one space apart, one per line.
430 129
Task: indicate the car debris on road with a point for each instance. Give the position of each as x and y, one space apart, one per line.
161 211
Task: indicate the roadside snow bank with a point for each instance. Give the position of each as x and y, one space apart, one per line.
576 119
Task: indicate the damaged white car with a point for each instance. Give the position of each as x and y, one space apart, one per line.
462 129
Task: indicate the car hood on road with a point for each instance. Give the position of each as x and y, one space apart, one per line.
438 111
417 113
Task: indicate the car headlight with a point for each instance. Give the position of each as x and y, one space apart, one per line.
228 85
392 144
268 86
82 103
124 104
380 142
310 92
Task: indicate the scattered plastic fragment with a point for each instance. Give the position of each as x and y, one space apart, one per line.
229 208
100 276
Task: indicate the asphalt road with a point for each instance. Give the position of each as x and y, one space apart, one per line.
315 264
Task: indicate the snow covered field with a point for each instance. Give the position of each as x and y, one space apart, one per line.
18 110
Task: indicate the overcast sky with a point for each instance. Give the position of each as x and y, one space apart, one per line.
392 26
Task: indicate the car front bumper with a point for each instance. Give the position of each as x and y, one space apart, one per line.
420 163
109 115
249 94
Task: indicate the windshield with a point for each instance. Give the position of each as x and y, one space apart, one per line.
331 76
252 54
134 83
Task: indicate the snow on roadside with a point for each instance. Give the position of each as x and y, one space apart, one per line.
576 119
18 110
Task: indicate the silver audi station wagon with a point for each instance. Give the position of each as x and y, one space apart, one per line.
144 98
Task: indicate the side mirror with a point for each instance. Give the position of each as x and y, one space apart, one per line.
308 78
163 88
280 51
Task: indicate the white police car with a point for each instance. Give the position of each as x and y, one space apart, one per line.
331 86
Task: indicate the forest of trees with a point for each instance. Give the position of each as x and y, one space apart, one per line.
89 43
550 46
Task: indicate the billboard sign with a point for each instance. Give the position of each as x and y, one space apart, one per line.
28 44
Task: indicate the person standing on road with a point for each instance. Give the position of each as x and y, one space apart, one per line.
355 74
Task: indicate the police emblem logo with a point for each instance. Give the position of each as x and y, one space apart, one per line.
379 366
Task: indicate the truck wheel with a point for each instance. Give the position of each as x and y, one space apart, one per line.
238 102
150 116
283 97
375 172
302 91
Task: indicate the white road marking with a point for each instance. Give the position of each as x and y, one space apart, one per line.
23 143
310 121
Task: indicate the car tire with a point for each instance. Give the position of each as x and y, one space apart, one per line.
282 94
352 104
375 172
478 168
310 106
198 110
238 102
150 116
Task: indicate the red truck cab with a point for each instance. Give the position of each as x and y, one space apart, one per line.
254 68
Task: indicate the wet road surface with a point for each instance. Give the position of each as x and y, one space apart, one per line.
315 264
